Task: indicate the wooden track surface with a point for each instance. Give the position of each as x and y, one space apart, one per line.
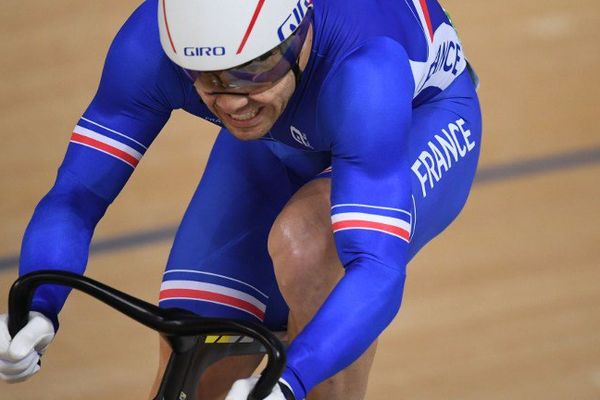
503 305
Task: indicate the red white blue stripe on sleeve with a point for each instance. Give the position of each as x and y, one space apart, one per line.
391 221
115 144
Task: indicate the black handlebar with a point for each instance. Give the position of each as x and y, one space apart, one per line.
164 321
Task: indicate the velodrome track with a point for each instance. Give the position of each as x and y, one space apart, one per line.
503 305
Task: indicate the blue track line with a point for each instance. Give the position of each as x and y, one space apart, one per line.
557 162
485 175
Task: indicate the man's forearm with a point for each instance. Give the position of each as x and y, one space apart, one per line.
359 308
58 237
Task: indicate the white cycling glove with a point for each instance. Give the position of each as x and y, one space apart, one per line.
242 388
19 356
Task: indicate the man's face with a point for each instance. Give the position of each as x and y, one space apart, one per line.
249 115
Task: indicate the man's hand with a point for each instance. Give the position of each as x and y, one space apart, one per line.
242 388
19 356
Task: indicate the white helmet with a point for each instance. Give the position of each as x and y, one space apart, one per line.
214 35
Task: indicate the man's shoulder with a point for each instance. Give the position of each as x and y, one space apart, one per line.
137 44
137 66
378 61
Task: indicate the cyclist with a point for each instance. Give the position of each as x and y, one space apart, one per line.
350 137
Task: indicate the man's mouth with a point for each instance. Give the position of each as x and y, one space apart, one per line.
245 116
248 119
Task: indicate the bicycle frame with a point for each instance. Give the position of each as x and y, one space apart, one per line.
196 342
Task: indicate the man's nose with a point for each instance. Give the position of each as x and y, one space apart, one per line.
230 103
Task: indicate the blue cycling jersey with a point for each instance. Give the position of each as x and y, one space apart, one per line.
377 73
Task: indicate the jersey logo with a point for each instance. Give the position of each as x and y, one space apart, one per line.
445 61
450 146
300 137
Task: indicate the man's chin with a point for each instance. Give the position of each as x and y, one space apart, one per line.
247 133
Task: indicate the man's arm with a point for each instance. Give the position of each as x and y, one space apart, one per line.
138 90
366 109
58 237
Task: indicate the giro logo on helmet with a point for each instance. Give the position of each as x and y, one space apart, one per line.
204 51
209 35
292 21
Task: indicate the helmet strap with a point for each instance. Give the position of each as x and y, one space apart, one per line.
297 73
296 67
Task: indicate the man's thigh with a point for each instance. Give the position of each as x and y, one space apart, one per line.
219 265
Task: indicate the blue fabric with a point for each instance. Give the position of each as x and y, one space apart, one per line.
381 174
222 239
58 237
382 101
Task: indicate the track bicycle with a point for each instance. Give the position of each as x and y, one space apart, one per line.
196 342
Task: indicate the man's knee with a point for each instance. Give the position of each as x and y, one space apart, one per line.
301 241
